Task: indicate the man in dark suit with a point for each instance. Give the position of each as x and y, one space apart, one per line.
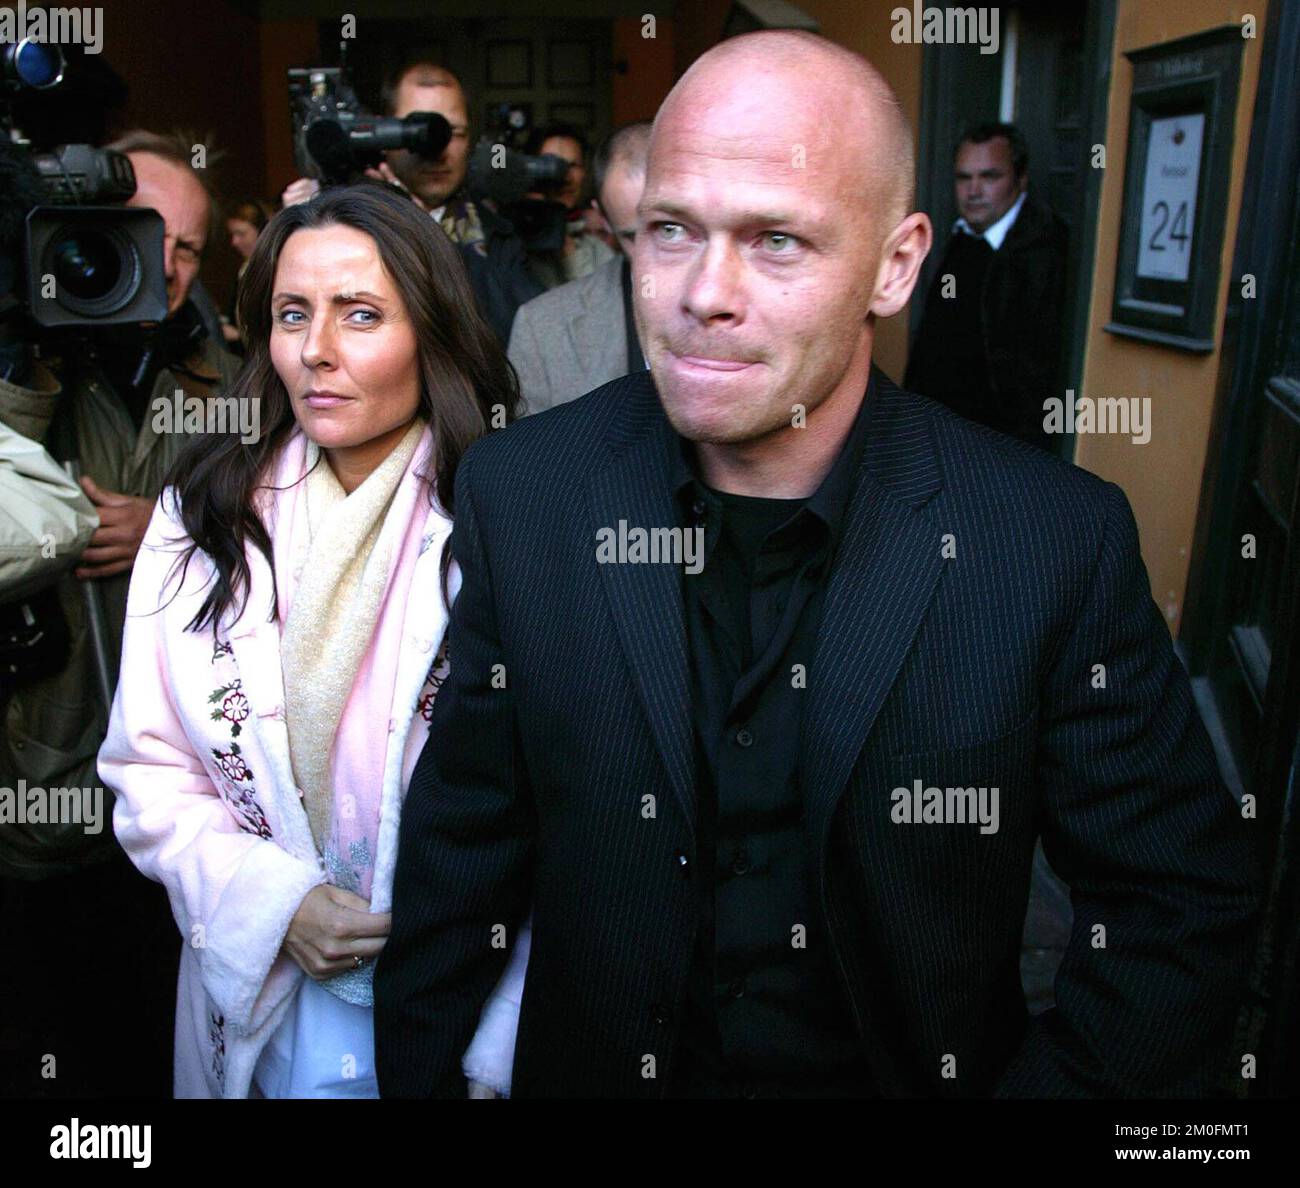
774 807
989 343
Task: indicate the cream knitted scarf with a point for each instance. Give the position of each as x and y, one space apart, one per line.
341 576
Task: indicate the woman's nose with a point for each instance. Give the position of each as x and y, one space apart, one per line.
318 345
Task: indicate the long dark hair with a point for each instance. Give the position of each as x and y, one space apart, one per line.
465 378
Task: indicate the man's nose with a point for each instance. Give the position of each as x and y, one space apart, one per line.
714 288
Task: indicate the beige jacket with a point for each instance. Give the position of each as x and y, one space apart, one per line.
45 519
51 729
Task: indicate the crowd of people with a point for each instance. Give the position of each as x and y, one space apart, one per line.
435 799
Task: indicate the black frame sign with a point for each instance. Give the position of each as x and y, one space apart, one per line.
1180 134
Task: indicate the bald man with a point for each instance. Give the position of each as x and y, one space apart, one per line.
766 675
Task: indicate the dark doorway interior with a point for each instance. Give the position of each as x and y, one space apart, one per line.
556 71
1241 630
1053 73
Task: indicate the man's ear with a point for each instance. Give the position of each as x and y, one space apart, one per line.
902 255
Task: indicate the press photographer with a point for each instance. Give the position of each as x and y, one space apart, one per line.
580 251
98 328
433 165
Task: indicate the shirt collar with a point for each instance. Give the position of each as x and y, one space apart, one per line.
995 234
829 503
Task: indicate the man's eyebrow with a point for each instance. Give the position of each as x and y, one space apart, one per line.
666 206
746 218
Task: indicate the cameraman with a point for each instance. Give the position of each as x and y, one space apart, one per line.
69 899
493 254
583 251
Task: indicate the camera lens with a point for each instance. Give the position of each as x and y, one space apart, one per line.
96 270
31 64
87 266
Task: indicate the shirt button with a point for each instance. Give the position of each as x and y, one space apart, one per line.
682 860
737 988
740 864
699 507
659 1014
744 737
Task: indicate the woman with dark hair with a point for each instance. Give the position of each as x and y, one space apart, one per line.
281 651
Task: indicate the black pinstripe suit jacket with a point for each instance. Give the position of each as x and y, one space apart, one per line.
978 585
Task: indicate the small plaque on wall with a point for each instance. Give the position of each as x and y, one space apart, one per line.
1176 177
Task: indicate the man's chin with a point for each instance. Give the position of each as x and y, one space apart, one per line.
434 198
713 425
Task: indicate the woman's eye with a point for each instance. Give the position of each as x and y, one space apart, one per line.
363 317
286 317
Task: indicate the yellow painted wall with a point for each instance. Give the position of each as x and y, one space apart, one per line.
1163 477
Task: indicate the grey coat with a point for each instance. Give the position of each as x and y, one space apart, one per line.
571 339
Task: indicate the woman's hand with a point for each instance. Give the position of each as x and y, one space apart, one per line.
332 927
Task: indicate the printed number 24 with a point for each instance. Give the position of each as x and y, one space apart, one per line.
1177 231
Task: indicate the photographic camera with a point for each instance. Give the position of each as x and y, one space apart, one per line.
335 138
81 259
505 175
88 262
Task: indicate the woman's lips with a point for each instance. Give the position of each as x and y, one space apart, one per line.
325 400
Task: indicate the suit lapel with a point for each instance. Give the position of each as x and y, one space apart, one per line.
885 572
646 599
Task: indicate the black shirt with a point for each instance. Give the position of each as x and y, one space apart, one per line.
765 1012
